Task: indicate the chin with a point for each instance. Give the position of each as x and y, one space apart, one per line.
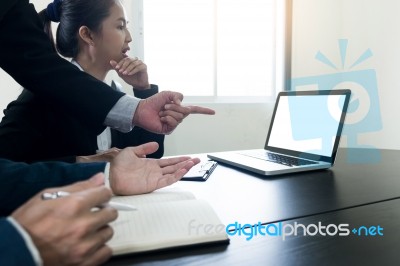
119 57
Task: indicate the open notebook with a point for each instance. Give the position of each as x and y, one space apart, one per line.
166 218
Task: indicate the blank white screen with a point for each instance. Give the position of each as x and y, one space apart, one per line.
307 123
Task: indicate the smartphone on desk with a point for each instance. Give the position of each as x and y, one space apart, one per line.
200 172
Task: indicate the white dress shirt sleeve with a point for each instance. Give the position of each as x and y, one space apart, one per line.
121 115
107 176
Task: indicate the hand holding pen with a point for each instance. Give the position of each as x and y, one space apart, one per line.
66 231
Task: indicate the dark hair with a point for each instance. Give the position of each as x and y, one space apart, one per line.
73 15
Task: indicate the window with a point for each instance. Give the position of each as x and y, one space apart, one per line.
212 48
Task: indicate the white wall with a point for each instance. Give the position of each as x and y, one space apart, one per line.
372 24
235 126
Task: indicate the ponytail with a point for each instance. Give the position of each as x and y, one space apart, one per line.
49 14
47 27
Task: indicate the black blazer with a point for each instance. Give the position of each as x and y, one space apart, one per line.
21 181
26 54
32 130
5 6
13 249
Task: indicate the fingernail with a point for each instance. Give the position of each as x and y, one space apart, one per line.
167 106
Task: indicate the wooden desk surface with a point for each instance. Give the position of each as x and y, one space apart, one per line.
346 193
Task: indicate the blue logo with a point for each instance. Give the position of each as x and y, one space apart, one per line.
284 230
363 115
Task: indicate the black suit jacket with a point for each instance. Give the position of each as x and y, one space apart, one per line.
5 6
20 181
26 54
32 130
13 249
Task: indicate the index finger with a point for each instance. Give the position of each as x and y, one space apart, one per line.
178 108
93 197
172 161
185 165
98 219
201 110
173 173
173 97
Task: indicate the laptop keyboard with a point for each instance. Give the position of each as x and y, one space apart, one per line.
278 158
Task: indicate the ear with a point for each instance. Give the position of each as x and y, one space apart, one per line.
86 35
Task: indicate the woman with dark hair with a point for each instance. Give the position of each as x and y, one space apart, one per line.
94 34
27 56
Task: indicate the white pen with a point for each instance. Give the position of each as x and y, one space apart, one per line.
116 205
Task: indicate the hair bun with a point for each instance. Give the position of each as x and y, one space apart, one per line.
53 10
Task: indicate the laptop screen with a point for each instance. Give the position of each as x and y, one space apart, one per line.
308 123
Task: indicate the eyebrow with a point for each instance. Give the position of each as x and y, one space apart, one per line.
123 20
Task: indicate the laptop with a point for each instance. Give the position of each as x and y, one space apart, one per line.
304 134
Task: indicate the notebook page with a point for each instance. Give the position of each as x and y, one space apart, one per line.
161 195
166 224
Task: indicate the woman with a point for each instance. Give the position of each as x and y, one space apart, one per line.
94 34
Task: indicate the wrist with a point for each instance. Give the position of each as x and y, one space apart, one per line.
81 159
140 88
136 115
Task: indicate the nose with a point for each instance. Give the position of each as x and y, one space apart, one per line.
128 38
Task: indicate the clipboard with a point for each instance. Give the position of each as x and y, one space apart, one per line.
200 172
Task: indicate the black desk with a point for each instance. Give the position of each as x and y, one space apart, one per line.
347 191
300 250
249 198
